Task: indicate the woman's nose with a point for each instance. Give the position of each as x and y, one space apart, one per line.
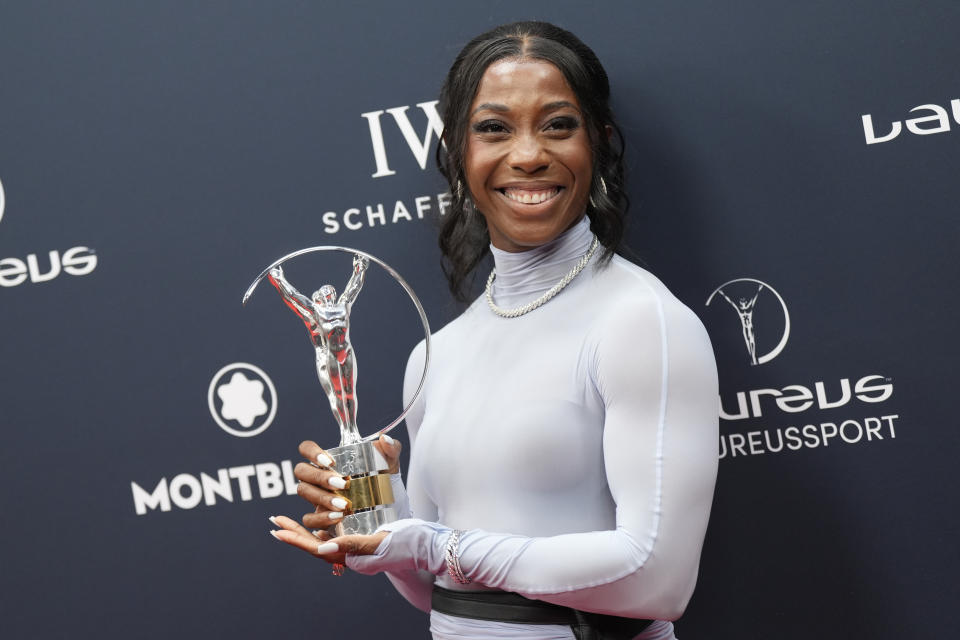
527 154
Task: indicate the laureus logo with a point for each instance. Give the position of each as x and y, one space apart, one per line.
76 261
242 399
743 295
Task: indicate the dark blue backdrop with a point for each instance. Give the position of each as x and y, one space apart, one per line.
155 156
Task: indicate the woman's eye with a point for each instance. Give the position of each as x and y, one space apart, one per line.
565 123
489 126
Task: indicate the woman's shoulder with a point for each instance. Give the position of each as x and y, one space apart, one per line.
644 316
450 331
462 323
632 295
627 285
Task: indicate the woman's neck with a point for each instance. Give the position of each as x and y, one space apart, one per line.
525 275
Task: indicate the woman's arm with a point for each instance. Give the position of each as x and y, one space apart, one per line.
416 586
654 369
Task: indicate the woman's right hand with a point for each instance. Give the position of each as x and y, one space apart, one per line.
318 483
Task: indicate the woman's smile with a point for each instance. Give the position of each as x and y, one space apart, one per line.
528 195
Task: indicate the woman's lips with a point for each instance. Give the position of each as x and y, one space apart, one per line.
530 196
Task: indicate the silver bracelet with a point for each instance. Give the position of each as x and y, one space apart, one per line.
453 558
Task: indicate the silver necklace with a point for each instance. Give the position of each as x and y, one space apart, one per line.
545 298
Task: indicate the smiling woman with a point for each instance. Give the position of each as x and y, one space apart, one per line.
528 161
560 63
564 447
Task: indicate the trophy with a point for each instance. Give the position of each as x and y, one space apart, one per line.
327 318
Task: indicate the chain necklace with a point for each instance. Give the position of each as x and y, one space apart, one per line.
545 298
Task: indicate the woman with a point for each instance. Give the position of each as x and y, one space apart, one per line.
564 448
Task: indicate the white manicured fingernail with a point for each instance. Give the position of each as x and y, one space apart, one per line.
339 503
324 459
327 547
388 439
273 519
337 482
335 515
316 532
274 534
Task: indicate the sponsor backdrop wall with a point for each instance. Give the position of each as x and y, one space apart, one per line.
793 178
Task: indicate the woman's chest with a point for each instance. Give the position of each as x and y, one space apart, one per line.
512 415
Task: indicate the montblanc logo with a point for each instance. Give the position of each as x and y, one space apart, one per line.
936 120
228 484
242 399
419 147
243 402
76 261
743 295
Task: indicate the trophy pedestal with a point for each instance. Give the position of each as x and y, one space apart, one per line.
369 492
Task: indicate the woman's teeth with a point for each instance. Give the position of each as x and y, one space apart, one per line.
528 196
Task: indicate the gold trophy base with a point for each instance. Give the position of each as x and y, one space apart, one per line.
369 490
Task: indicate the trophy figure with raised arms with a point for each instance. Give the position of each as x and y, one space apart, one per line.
745 310
328 320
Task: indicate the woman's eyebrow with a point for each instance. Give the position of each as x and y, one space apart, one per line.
492 106
502 108
559 104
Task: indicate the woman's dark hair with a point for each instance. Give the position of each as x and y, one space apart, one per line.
463 235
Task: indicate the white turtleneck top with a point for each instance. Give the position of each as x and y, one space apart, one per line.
576 446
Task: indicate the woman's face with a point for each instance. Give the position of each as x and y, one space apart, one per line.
528 160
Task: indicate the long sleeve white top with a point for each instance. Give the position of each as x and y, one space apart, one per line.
576 445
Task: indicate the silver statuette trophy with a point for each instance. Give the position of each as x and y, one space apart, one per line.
327 318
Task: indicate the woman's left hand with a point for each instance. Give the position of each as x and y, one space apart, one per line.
320 544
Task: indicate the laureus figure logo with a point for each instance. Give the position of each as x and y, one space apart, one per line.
746 291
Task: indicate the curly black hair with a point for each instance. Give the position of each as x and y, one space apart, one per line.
464 240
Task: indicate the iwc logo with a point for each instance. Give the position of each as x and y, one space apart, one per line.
242 399
419 148
744 295
421 133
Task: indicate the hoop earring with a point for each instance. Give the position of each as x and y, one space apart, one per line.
469 212
603 187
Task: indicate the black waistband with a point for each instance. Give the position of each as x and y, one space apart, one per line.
502 606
